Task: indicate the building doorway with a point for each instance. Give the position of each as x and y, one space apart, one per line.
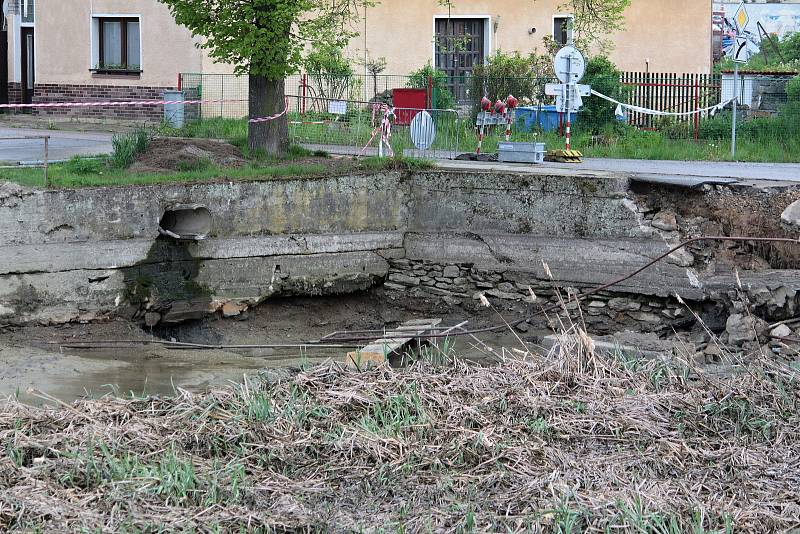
460 46
4 65
28 62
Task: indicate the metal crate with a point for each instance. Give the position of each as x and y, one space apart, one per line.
509 152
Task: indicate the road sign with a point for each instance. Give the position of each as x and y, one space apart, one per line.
423 130
742 18
575 104
555 89
741 51
574 91
569 65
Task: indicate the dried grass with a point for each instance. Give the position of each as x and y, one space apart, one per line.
568 442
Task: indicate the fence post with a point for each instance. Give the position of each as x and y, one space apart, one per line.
430 92
46 157
222 97
303 86
696 107
735 107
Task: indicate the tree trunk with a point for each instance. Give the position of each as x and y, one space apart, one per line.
267 98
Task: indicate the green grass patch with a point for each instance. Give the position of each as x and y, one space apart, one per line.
128 146
65 175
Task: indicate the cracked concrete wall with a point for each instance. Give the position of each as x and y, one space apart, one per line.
586 229
79 254
539 205
91 253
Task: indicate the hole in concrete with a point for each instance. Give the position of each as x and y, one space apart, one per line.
191 223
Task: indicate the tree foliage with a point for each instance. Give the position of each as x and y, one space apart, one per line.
596 20
266 37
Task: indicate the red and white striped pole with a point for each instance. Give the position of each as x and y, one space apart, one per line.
569 126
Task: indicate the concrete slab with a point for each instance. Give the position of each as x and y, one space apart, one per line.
393 344
680 173
63 144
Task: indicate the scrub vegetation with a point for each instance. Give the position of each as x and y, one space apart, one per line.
573 441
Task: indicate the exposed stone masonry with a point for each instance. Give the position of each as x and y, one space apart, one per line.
460 283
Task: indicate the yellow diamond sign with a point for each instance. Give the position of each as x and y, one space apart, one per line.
742 18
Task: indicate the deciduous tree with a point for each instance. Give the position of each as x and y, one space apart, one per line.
265 39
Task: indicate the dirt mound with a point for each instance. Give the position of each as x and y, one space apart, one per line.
170 154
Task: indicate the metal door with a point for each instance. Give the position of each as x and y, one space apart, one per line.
459 47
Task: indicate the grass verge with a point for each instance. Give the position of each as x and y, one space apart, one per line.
64 175
95 173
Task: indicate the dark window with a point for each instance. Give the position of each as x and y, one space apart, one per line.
562 30
118 40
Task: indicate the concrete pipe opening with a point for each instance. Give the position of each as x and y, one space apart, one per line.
192 223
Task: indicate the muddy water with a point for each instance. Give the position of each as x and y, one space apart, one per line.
31 360
35 373
38 373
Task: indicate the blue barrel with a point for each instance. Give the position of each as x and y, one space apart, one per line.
531 118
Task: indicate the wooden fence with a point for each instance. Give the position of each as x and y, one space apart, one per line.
671 92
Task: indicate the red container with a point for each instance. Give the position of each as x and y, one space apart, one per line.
413 99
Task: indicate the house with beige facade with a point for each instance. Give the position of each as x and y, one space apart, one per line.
88 50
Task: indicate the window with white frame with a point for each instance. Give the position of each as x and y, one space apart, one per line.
562 29
117 44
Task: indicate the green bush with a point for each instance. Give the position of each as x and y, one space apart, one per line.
793 89
781 129
443 98
509 74
128 146
604 77
83 166
790 47
331 73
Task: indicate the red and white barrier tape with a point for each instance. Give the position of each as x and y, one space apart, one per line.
385 129
126 103
272 117
116 103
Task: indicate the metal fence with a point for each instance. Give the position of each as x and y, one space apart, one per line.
765 112
354 128
670 92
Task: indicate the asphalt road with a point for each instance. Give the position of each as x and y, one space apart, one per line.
782 172
62 144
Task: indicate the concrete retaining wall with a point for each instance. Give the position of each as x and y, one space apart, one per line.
92 253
